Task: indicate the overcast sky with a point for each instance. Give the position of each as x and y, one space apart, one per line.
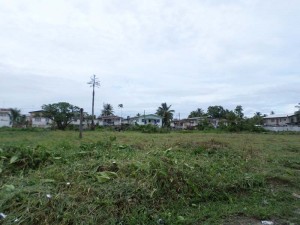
188 53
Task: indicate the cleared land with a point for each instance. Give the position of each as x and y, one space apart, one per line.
52 177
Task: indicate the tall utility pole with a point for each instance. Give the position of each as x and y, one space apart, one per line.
94 82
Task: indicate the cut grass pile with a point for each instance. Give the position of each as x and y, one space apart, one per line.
52 177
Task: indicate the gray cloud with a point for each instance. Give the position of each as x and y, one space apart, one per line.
187 53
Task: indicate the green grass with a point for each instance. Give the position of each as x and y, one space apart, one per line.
139 178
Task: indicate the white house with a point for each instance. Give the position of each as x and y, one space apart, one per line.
280 120
5 120
37 120
145 119
111 120
192 123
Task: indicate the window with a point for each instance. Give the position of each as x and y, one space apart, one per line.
37 119
272 120
143 120
157 121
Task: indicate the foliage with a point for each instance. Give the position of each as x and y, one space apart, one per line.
297 113
17 118
62 113
258 118
216 112
197 113
204 125
166 113
107 110
133 178
148 128
239 112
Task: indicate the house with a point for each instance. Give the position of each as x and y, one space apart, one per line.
111 120
5 118
281 120
193 122
144 120
188 123
36 119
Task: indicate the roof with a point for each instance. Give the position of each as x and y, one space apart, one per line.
278 116
4 110
37 111
148 115
109 117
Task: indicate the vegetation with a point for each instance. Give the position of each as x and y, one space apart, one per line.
216 112
166 113
15 115
197 113
61 113
53 177
94 82
17 119
107 110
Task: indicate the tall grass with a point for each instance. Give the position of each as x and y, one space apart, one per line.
53 177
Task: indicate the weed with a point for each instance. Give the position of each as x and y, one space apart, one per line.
159 178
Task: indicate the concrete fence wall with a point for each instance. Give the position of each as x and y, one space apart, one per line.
286 128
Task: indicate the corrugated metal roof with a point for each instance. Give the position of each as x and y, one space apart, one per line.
278 116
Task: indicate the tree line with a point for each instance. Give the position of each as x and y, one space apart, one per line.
63 113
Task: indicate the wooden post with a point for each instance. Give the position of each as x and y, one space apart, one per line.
80 125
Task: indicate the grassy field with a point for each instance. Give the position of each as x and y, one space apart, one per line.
53 177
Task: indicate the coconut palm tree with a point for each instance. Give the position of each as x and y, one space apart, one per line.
94 82
197 113
15 116
121 107
107 110
166 113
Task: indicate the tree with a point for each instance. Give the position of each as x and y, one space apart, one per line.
15 116
61 113
216 112
107 110
297 113
298 107
258 118
239 112
197 113
94 83
121 107
166 113
272 112
231 117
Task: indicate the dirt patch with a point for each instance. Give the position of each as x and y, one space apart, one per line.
278 181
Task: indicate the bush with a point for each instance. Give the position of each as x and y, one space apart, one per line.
149 128
16 158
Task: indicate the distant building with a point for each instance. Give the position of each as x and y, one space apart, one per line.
144 120
5 118
36 119
111 120
280 120
192 123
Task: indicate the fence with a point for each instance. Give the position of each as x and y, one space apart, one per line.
286 128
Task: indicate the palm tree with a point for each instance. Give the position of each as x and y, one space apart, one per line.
107 110
197 113
15 116
121 107
94 82
166 113
297 113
